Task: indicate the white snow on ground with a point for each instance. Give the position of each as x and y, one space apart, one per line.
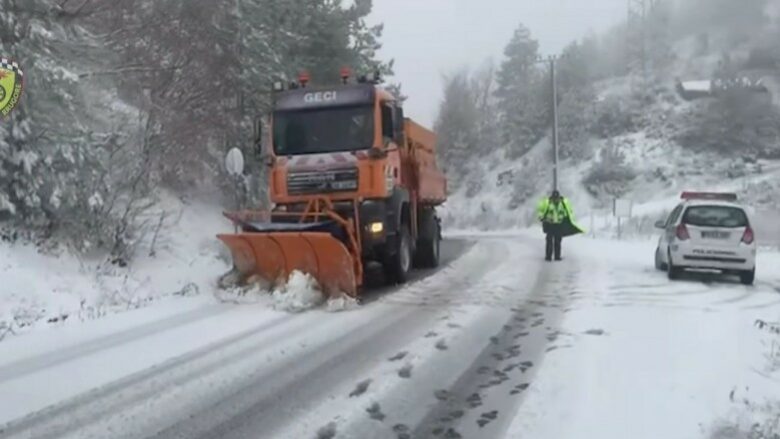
436 321
61 288
644 357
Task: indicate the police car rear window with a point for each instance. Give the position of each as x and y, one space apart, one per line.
715 216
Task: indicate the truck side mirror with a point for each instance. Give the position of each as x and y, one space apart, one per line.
660 224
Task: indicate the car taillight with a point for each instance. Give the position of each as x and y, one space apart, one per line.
748 237
682 233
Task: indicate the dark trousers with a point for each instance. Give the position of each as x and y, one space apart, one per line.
553 241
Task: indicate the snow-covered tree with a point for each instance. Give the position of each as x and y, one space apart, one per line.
457 125
57 147
521 101
128 96
483 85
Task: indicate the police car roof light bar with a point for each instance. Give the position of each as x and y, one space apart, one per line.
720 196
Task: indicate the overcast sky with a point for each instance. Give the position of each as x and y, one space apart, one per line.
429 38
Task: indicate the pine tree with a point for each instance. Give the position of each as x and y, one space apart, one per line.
457 125
483 86
522 110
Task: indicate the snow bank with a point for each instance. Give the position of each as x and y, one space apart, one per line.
41 289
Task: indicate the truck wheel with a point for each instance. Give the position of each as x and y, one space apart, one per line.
398 264
748 277
429 243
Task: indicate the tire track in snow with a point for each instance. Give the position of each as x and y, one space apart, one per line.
65 417
405 402
117 404
27 366
483 401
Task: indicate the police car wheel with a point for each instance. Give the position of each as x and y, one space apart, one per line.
671 271
659 265
748 277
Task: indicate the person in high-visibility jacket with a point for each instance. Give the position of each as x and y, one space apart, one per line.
557 217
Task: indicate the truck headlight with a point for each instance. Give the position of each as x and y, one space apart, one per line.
376 227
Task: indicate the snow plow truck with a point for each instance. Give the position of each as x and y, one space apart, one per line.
351 181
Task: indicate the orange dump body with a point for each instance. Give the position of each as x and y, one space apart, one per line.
430 183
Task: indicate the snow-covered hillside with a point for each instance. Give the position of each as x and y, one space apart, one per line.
644 162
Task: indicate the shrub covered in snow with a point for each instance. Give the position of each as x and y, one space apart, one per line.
737 123
614 116
609 175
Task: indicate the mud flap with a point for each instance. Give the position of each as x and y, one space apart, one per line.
273 256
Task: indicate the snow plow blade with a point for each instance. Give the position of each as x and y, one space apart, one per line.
273 256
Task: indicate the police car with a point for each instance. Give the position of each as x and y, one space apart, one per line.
707 231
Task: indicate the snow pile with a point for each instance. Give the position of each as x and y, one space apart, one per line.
341 302
300 293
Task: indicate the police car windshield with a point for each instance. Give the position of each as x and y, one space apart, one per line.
323 130
715 216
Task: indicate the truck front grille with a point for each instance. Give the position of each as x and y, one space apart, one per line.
313 182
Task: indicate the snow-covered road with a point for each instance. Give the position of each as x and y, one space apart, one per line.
497 343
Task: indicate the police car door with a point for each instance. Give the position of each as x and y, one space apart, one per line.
670 230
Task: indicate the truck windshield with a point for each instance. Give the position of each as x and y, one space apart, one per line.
323 130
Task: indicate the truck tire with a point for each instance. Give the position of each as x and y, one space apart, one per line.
429 241
398 263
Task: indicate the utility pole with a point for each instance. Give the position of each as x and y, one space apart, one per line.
554 87
551 60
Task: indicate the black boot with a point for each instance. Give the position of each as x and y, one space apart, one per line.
549 248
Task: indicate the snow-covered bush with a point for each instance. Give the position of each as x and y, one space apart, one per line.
575 119
609 175
614 116
737 123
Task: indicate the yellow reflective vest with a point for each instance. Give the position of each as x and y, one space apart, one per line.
554 213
